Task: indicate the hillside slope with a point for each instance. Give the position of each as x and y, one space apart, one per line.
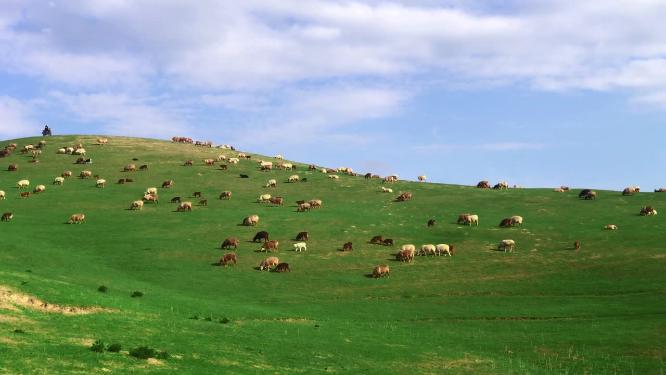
544 308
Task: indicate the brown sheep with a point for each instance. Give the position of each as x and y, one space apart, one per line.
228 258
77 219
405 255
7 216
25 194
431 223
251 220
404 197
188 163
387 242
184 206
381 271
276 200
347 246
203 202
12 168
270 245
225 195
269 262
377 240
577 245
506 223
229 242
483 185
282 267
167 184
303 207
129 168
151 198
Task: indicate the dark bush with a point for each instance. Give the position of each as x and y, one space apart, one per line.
102 288
142 352
136 293
224 320
97 346
18 330
114 348
162 355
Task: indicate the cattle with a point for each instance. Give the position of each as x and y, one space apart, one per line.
24 194
303 207
129 168
428 249
302 236
610 227
58 180
422 178
229 242
251 220
377 240
12 168
23 184
225 195
277 200
66 174
506 245
404 197
576 245
268 263
228 258
39 189
347 246
184 206
300 246
209 161
271 183
294 178
136 205
387 242
167 184
282 267
85 174
7 216
442 248
143 167
264 198
101 183
405 255
77 219
381 271
648 211
483 185
2 195
506 223
517 220
431 223
188 163
151 198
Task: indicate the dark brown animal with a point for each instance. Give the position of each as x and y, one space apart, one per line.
483 185
577 245
25 194
12 168
405 255
463 218
583 193
404 197
388 242
260 236
175 200
368 176
590 195
143 167
431 222
188 163
167 184
7 216
506 223
203 202
377 240
223 167
229 242
197 194
282 267
228 258
381 271
347 246
276 200
302 236
121 181
225 195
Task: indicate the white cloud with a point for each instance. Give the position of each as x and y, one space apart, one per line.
15 119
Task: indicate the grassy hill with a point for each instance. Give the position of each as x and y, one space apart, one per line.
543 309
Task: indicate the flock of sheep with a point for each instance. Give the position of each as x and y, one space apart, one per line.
406 253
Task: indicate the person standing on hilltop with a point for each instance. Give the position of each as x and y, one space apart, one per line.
46 131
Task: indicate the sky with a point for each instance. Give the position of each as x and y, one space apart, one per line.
539 93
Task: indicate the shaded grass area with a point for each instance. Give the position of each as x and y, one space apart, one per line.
543 309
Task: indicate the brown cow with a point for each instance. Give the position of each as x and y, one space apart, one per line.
270 245
381 271
282 267
377 240
229 242
228 258
7 216
347 246
225 195
302 236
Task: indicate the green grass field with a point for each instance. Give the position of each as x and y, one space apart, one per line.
543 309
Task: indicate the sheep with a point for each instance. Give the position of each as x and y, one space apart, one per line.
66 174
287 166
387 190
3 196
271 183
276 200
225 195
229 242
559 190
102 141
648 211
7 216
381 271
209 161
405 255
422 178
300 246
303 207
23 184
69 150
221 157
282 267
184 206
61 151
269 262
77 219
101 183
228 258
39 189
85 174
151 198
315 203
390 179
251 220
12 168
610 227
167 184
264 198
442 248
234 160
333 176
517 220
151 191
507 244
270 245
80 151
294 178
136 205
409 247
129 168
58 180
428 249
241 155
279 157
483 185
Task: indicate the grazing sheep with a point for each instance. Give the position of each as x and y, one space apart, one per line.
590 195
203 202
279 157
85 174
143 167
39 189
377 240
2 195
302 236
225 195
129 168
264 198
209 161
300 246
294 178
334 176
648 211
405 255
151 198
23 184
188 163
404 197
390 179
408 247
559 190
287 166
261 236
442 248
577 245
506 223
631 190
221 157
347 246
184 206
282 267
167 184
303 207
517 220
136 205
58 180
270 245
251 220
12 168
431 223
483 185
66 174
276 200
386 190
101 183
69 150
151 190
428 249
381 271
77 219
610 227
234 160
61 151
266 165
228 258
7 216
269 262
271 183
24 194
102 141
507 244
79 151
422 178
229 242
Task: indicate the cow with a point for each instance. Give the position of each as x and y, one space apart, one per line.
225 195
431 223
228 258
269 262
302 236
77 219
167 184
7 216
507 244
184 206
381 271
251 220
347 246
405 255
282 267
229 242
377 240
260 236
300 246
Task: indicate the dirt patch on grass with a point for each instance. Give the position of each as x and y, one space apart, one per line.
10 299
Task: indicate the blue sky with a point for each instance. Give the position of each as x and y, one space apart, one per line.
539 94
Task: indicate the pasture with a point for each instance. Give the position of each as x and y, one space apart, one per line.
544 308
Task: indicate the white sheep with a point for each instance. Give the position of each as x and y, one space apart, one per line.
271 183
300 246
101 183
39 189
2 194
264 198
334 176
151 191
58 180
23 184
294 178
